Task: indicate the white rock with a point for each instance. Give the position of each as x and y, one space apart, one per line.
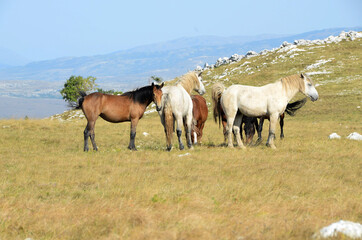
355 136
251 54
145 134
183 155
198 68
350 229
334 136
318 63
302 42
236 57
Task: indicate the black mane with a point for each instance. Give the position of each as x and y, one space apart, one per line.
140 95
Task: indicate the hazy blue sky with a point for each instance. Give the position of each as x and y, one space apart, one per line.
45 29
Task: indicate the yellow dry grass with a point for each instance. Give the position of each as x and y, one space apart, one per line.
51 189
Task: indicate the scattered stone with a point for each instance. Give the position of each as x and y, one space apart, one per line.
347 228
183 155
334 136
318 63
355 136
251 54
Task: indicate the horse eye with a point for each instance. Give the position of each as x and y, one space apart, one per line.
309 84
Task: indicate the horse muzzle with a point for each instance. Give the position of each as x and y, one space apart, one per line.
201 92
314 97
158 108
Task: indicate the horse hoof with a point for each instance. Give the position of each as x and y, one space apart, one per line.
272 146
132 148
182 147
230 146
258 141
169 148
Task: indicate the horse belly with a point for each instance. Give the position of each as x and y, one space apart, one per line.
115 114
253 109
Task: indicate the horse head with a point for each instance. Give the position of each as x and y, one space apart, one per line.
200 88
157 95
309 88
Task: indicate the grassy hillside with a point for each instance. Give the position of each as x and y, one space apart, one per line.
51 189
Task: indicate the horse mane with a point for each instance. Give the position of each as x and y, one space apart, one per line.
140 95
189 81
293 82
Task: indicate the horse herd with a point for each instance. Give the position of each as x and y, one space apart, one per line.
234 106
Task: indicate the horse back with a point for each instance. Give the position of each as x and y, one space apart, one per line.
200 110
179 99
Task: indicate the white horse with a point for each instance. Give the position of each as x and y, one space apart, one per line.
177 105
268 100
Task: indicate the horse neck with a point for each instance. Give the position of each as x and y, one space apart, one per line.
187 87
146 99
290 92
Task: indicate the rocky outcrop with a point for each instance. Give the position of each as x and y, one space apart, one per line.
347 36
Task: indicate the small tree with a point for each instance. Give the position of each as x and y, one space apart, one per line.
74 84
112 92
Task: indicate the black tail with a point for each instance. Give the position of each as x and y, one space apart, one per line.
293 107
78 105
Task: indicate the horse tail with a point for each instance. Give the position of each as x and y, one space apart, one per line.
294 106
79 103
169 128
217 91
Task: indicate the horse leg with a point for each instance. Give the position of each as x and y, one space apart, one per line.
281 122
236 129
200 132
86 136
260 129
271 137
229 128
225 132
131 145
188 130
179 131
89 132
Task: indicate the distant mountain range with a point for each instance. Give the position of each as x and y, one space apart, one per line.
130 68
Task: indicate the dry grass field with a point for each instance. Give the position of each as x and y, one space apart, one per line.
51 189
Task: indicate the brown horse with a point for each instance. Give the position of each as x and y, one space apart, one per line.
129 106
199 112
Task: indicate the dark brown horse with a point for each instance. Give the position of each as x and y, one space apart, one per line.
199 112
250 125
290 110
129 106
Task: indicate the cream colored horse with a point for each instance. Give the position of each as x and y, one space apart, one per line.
177 105
268 100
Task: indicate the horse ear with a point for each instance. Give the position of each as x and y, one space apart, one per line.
152 84
302 75
162 85
199 75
